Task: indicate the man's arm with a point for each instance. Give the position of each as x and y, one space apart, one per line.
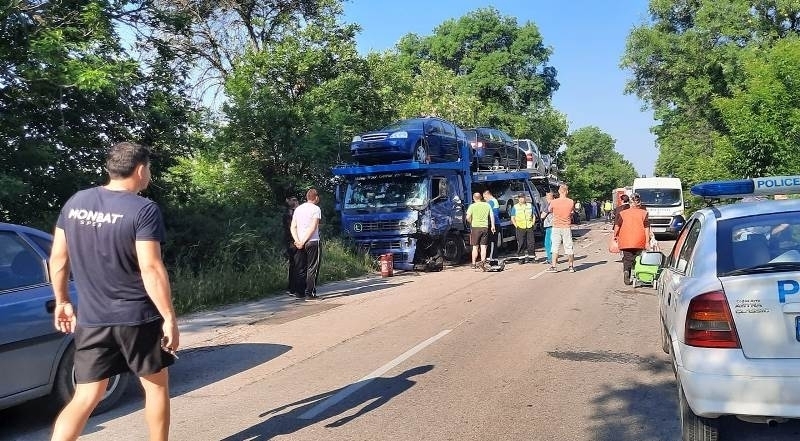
310 230
64 314
513 214
156 283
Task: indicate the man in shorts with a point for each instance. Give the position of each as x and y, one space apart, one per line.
479 216
562 209
110 238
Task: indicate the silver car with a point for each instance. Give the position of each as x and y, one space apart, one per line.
729 302
533 158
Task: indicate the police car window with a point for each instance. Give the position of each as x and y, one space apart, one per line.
687 248
757 240
20 266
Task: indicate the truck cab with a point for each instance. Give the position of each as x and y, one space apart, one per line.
663 199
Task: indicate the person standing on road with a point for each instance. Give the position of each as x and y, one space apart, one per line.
626 203
109 238
479 216
562 209
547 225
607 210
522 216
491 237
632 233
305 232
291 205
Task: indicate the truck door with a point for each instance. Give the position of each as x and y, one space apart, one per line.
441 207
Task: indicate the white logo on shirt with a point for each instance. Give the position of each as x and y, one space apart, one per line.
93 218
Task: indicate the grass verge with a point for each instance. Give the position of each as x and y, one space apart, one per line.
226 282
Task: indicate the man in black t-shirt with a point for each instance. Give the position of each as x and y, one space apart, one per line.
110 239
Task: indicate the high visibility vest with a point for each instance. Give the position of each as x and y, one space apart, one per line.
632 234
607 206
523 215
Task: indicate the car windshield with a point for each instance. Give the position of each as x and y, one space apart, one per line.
660 197
761 243
386 192
406 124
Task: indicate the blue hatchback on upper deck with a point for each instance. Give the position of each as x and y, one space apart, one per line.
422 140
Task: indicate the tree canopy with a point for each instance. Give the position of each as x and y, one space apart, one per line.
593 168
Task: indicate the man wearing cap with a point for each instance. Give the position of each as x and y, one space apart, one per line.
522 217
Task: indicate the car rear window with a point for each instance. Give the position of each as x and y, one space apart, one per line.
756 240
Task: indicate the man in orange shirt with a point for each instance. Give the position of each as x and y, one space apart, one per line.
562 209
632 232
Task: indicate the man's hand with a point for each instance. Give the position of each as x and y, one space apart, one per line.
65 318
171 339
298 245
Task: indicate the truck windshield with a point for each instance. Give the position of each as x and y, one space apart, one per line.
389 192
660 197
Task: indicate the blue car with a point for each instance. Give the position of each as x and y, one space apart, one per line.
422 140
36 360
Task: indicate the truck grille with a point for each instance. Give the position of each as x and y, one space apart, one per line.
370 226
374 137
379 246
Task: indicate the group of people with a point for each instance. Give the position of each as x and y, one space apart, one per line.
595 209
554 213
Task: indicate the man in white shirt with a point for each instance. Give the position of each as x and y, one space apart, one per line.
305 232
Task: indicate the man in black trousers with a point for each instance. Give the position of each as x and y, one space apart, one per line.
291 204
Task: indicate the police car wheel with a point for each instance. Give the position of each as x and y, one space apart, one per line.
693 427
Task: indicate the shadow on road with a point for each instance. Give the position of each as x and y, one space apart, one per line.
196 368
587 265
372 394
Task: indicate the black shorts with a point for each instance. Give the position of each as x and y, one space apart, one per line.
106 351
479 236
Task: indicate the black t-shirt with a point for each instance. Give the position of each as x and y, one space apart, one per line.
102 227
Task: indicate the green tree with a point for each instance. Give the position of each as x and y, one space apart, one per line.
686 61
294 104
593 168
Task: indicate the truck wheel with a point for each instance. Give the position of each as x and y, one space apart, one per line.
421 153
64 387
453 248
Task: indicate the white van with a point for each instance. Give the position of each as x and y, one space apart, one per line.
663 198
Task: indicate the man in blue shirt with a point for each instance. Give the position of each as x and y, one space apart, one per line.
110 239
490 199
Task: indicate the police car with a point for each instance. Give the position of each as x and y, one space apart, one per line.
729 301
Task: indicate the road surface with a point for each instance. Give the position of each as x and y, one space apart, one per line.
457 355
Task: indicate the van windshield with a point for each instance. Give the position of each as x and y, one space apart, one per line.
388 192
660 197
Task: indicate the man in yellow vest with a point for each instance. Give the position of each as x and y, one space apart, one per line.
524 221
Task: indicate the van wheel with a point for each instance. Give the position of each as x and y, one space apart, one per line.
693 427
421 153
453 248
64 387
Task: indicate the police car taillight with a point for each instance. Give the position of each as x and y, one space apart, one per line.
709 323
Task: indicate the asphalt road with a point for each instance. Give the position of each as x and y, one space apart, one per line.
456 355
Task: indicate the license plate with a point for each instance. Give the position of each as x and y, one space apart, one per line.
797 328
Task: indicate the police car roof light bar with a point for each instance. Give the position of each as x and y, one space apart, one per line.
766 186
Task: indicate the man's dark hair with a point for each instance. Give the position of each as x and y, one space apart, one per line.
625 199
123 158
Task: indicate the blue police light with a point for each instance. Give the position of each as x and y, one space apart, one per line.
765 186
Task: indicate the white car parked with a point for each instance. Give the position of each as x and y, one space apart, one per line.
729 300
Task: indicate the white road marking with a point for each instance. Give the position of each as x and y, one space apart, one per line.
344 393
537 275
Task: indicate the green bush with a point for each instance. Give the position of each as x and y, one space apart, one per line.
229 280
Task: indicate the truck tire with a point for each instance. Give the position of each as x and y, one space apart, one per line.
453 248
64 387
